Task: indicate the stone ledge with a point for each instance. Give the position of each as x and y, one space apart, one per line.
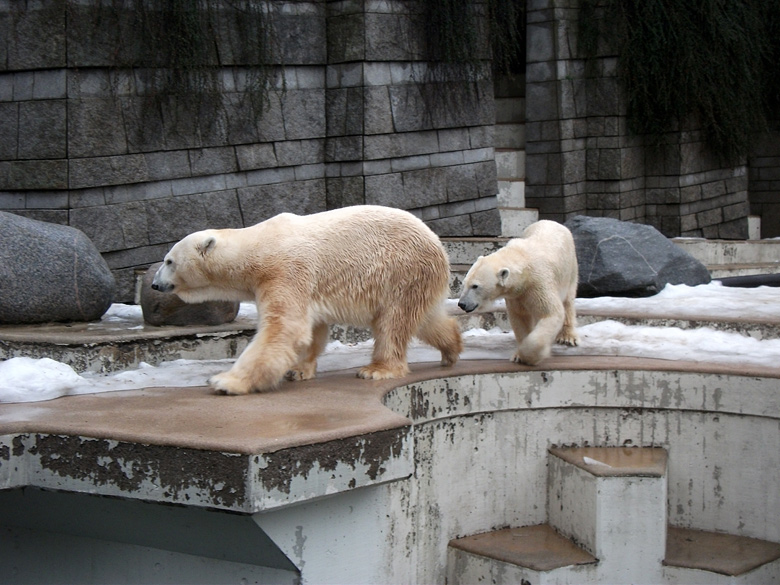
615 461
538 547
541 548
726 554
310 439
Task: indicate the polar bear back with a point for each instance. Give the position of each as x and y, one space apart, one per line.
354 260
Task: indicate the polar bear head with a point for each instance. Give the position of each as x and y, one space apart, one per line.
487 280
188 269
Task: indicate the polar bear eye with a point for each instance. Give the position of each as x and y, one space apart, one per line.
168 262
474 286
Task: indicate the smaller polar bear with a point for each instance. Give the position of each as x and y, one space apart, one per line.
537 275
366 265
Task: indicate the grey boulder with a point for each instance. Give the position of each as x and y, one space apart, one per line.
618 258
50 272
167 309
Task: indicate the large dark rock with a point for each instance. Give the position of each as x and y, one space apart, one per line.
618 258
50 272
168 309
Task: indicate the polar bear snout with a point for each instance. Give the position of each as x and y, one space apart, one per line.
467 304
162 287
160 283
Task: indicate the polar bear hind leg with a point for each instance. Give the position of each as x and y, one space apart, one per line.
443 333
392 333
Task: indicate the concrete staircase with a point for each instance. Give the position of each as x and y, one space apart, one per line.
510 156
607 523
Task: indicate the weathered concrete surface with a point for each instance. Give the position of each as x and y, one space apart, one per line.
719 553
436 458
611 513
545 549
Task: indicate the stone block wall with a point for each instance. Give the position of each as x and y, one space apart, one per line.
764 182
582 159
354 117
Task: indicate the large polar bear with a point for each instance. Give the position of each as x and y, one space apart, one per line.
537 275
364 265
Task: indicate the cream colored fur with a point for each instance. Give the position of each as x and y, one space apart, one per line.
537 275
365 265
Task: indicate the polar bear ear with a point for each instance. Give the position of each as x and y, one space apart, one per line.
503 276
206 245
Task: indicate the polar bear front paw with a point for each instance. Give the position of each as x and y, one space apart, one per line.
298 374
520 358
569 338
379 372
227 383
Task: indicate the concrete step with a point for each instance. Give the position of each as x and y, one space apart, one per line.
732 559
510 110
516 555
511 193
509 135
732 252
612 502
510 164
514 220
606 516
540 555
723 258
749 269
465 251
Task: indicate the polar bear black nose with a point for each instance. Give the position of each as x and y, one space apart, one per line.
467 306
162 287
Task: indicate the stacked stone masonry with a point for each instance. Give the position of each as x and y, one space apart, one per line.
582 159
353 117
764 177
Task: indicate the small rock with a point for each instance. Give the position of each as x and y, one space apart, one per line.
619 258
168 309
50 272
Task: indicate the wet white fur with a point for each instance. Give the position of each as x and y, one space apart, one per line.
537 275
364 265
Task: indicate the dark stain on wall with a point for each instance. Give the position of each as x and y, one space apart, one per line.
128 466
372 450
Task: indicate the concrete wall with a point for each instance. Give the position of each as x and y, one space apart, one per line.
351 119
581 158
473 459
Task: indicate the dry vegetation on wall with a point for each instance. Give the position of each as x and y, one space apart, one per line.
456 31
680 61
179 48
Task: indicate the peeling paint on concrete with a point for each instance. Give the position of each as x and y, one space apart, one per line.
473 459
145 471
373 451
312 471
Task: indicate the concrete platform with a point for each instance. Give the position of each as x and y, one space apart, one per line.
388 472
725 554
539 548
615 462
